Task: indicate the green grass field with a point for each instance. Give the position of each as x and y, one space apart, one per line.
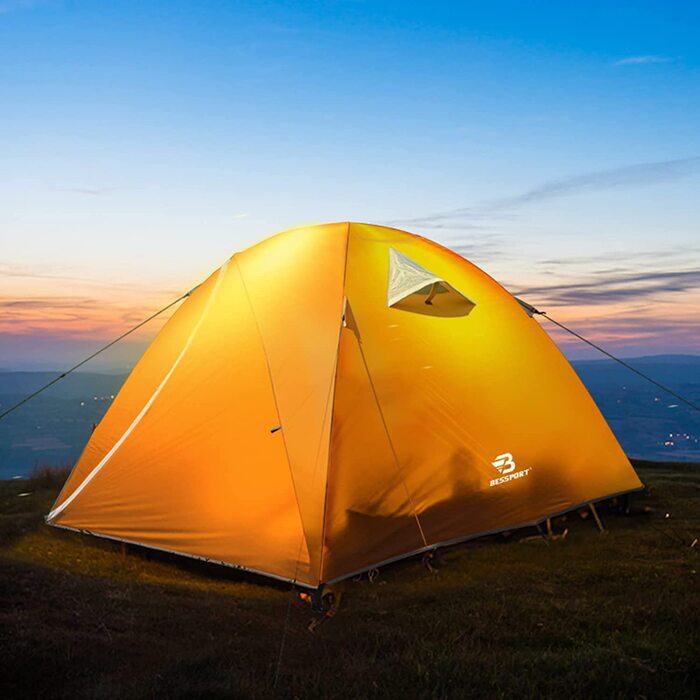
615 615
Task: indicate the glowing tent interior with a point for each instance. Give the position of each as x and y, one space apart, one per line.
338 397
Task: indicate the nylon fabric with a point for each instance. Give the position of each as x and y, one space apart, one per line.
456 393
295 284
311 430
201 473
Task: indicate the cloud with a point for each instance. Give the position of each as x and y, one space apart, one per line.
644 331
628 176
47 312
74 316
604 289
484 246
641 60
48 272
670 254
45 303
91 191
7 6
463 218
57 272
636 175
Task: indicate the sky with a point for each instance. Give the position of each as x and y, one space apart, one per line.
556 145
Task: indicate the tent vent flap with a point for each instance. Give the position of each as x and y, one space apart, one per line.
413 288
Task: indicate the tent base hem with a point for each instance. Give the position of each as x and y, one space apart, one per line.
485 533
208 560
377 565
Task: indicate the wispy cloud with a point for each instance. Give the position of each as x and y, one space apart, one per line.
625 258
7 6
636 175
58 301
484 246
47 312
641 60
647 330
91 191
67 274
628 176
72 316
47 272
607 289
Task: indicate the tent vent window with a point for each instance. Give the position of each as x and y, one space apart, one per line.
413 288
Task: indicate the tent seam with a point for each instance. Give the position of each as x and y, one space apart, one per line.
334 388
393 449
409 497
277 410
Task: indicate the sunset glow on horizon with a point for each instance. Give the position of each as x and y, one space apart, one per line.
557 149
84 315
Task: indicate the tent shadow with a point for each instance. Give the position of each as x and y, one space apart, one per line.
442 306
434 311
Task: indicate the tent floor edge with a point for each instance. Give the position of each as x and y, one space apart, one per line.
207 560
313 589
459 540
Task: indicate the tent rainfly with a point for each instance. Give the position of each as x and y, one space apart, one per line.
335 398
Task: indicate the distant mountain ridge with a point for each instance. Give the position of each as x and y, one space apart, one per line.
676 371
75 385
649 359
656 359
54 427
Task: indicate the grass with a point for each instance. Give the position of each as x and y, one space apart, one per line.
614 615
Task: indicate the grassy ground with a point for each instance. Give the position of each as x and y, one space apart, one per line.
614 615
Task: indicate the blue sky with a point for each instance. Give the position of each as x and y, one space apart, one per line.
555 144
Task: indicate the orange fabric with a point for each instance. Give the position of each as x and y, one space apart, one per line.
455 393
390 422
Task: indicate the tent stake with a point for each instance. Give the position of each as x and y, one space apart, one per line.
317 599
598 521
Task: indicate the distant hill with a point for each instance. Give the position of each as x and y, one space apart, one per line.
54 427
650 359
74 386
648 422
674 370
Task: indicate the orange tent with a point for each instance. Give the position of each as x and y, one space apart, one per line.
335 398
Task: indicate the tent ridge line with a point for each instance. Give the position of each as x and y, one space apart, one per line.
333 390
277 410
409 497
397 462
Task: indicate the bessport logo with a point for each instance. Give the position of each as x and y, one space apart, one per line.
506 466
504 463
